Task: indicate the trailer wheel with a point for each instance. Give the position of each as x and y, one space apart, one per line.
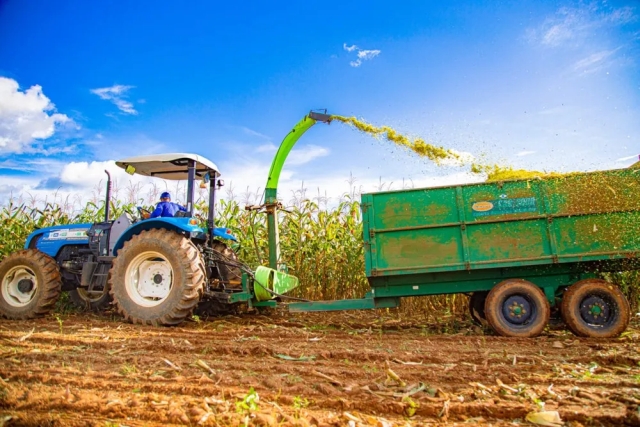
30 284
476 307
81 299
517 308
157 278
595 308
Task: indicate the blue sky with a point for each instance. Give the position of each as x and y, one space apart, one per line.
549 85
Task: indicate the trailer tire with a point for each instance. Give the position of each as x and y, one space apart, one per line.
30 284
82 301
587 300
157 278
476 307
517 308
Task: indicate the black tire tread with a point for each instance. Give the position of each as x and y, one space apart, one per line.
190 260
572 319
493 309
49 283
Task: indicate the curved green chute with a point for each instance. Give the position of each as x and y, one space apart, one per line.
271 189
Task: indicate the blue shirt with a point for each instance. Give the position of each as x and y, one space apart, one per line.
166 209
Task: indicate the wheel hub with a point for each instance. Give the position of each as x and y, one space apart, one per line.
595 310
517 309
25 285
19 286
148 279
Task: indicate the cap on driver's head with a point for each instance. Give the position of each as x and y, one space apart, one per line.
165 195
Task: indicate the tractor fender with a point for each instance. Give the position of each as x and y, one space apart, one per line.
178 225
51 240
224 232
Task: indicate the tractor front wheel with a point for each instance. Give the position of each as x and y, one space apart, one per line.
30 284
157 278
517 308
595 308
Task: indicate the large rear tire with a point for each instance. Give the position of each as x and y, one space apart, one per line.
595 308
157 278
517 308
30 284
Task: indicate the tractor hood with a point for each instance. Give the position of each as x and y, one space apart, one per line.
171 166
51 239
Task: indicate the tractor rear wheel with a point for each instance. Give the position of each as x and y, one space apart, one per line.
30 284
157 278
595 308
517 308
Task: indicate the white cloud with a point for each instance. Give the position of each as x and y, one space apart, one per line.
255 133
85 174
306 154
117 94
525 153
349 48
368 54
574 25
624 159
25 116
267 148
76 183
593 62
362 54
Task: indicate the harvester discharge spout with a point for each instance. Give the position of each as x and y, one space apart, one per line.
273 278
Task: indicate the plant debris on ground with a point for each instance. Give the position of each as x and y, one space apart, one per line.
357 369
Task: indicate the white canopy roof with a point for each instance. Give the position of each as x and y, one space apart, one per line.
168 166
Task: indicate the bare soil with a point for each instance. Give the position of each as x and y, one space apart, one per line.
360 368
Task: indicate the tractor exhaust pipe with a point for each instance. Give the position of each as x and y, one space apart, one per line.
108 201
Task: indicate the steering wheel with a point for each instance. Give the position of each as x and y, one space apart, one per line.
144 214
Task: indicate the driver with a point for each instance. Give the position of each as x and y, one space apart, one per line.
166 208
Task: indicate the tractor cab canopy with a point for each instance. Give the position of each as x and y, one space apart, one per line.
174 166
179 166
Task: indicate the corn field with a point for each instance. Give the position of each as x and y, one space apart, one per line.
321 245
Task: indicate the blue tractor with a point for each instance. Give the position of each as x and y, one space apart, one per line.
155 271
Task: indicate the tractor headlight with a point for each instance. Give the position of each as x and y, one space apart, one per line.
197 235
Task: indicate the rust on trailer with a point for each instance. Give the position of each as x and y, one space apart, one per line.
409 249
512 224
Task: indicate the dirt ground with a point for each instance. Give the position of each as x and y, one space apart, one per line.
342 369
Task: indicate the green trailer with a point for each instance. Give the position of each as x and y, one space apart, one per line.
520 248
